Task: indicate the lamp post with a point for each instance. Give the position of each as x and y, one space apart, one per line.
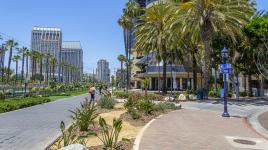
224 54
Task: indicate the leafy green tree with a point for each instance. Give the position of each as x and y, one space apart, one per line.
205 17
256 32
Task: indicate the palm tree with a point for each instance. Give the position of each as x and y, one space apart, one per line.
2 55
122 59
53 62
153 35
47 57
23 51
35 57
204 17
16 59
126 22
11 44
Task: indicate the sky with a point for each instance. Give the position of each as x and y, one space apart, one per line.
93 22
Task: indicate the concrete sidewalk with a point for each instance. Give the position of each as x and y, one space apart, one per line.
199 130
263 119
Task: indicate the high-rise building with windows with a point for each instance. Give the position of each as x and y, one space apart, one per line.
103 71
47 40
72 54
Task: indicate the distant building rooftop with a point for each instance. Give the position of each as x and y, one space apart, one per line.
46 28
71 45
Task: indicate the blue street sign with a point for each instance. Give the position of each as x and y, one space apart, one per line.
226 68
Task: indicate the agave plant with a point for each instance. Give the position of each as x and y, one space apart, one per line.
109 137
69 136
84 116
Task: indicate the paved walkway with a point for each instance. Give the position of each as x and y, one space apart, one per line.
198 130
263 119
35 127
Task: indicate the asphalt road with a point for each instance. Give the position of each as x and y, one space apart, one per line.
35 127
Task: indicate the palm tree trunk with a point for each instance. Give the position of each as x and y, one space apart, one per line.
206 69
194 71
9 63
41 71
53 70
250 92
164 73
16 72
122 74
22 68
47 71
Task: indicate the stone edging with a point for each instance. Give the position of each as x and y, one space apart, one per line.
253 123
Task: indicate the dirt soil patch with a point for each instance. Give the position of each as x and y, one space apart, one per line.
122 145
143 120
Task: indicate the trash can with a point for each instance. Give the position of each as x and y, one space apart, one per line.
200 94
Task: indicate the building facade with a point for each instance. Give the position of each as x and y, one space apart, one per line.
103 71
72 54
47 40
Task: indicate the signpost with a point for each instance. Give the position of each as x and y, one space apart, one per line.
226 69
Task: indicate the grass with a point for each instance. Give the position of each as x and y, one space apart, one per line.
19 103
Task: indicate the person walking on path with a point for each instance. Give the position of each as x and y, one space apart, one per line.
100 89
92 92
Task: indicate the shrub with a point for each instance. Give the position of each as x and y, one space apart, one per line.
164 106
243 94
18 103
155 97
145 106
135 96
134 113
120 94
214 93
85 115
106 102
2 95
108 137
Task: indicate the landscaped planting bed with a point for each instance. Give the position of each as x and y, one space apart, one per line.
111 125
18 103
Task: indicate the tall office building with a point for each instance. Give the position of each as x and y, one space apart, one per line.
72 53
47 41
103 71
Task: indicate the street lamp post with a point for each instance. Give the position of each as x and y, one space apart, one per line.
224 54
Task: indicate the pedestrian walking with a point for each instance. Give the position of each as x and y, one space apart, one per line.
92 92
100 89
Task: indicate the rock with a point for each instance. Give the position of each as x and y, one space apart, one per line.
168 98
74 147
182 97
192 97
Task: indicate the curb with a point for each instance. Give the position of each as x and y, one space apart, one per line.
253 123
137 141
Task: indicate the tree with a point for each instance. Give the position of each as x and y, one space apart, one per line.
16 59
153 35
11 44
122 59
23 52
204 17
256 32
53 62
126 21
